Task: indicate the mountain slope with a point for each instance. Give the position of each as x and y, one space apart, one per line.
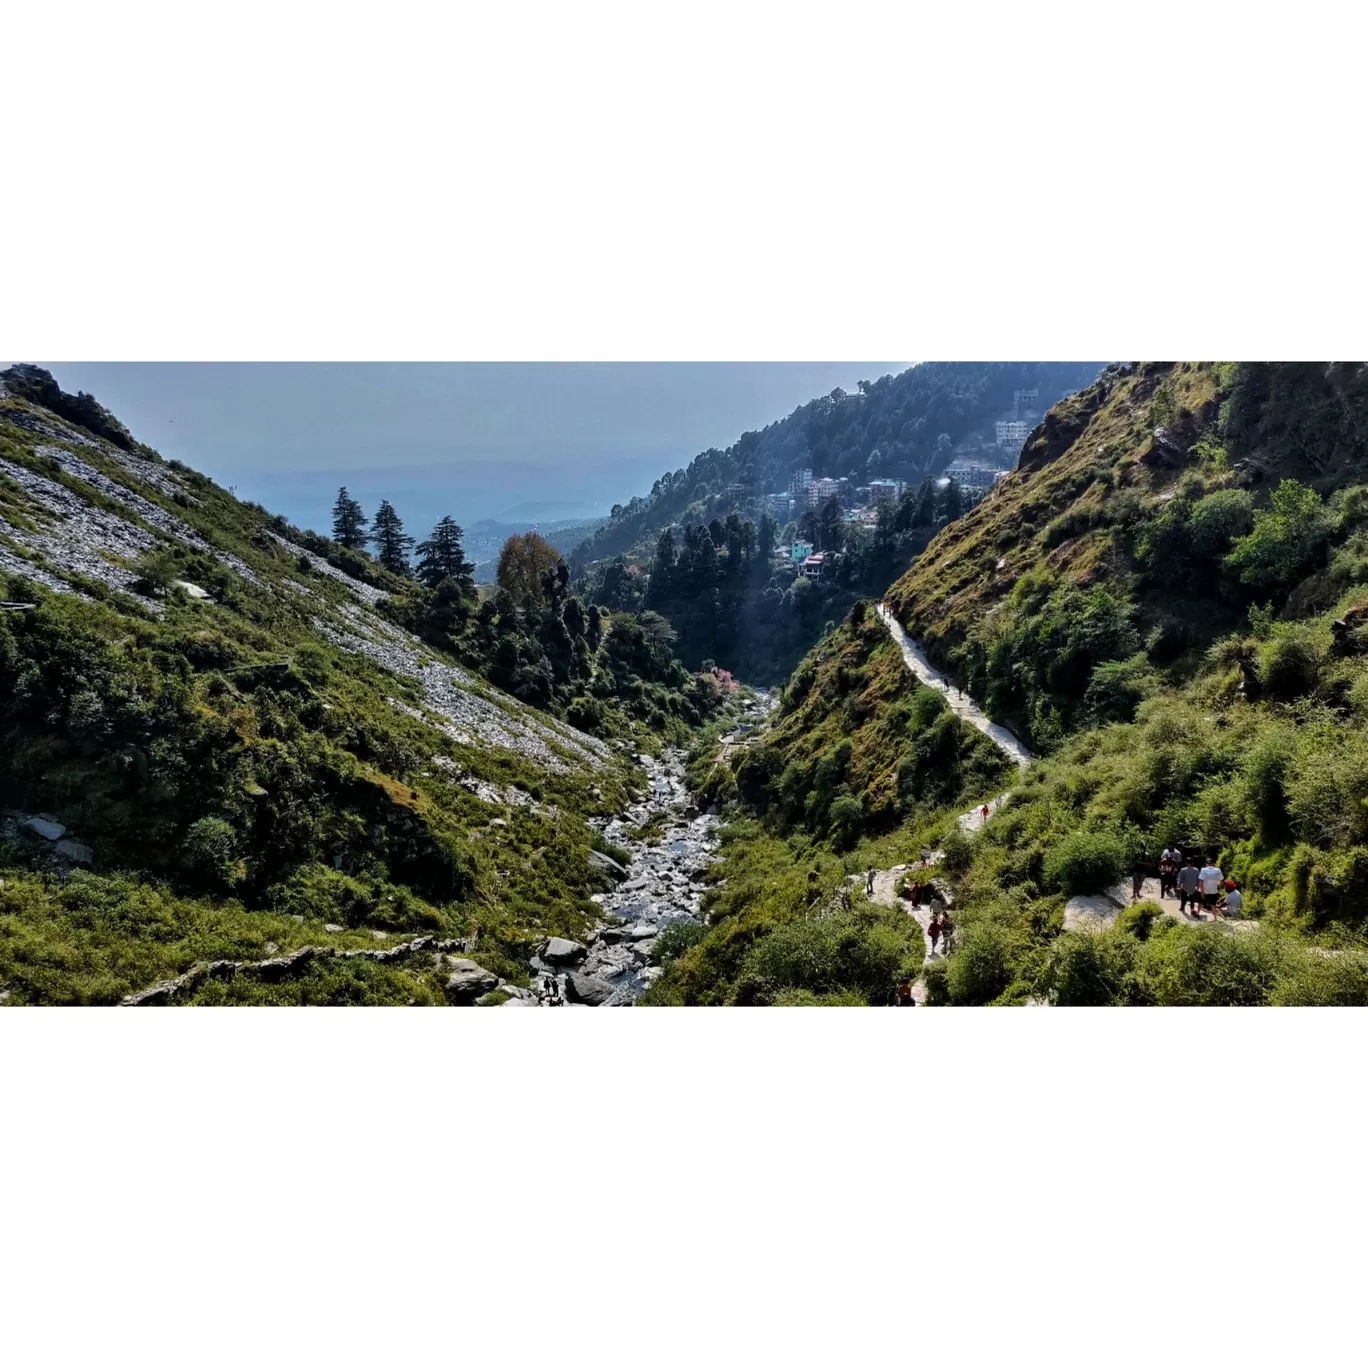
904 427
219 746
1111 542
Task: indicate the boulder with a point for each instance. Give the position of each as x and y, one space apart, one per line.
557 950
468 981
643 931
46 827
192 591
75 851
606 864
1089 912
591 992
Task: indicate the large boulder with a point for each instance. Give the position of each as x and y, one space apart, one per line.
591 992
558 950
468 981
605 864
75 851
46 827
1089 912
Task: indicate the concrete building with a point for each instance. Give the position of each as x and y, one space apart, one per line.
799 552
814 566
1012 434
800 481
885 489
819 491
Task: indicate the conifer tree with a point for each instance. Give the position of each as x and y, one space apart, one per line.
443 556
349 522
391 543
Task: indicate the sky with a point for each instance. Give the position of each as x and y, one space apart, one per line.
510 441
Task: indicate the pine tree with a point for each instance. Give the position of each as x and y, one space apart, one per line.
952 503
391 544
443 556
349 522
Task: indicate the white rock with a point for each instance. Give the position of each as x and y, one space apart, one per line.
192 591
53 831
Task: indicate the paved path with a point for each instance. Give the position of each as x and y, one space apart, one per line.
961 704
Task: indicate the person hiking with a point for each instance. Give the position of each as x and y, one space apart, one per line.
933 930
947 932
869 883
904 995
915 893
1137 880
984 811
1210 878
1168 871
1187 887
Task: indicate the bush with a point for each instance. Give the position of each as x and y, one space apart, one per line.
846 817
981 966
209 851
1192 966
1085 862
1324 980
1287 539
1087 969
850 951
675 939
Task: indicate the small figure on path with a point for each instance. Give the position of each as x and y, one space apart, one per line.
1210 877
1187 888
983 812
1137 880
1168 871
915 894
947 931
933 930
904 992
1234 903
869 883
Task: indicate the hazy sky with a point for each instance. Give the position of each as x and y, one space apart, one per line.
475 440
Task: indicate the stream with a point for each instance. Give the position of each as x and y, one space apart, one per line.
662 884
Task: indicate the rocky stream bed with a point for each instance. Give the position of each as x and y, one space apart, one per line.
661 884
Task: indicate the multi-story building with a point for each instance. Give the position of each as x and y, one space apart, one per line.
814 566
884 489
819 491
800 481
1012 434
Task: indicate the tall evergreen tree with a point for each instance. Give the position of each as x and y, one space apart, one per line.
951 502
391 543
443 556
349 522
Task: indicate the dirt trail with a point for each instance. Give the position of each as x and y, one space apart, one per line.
960 703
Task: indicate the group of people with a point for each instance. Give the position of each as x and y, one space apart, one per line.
1195 887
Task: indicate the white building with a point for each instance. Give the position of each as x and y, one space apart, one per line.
1012 434
884 489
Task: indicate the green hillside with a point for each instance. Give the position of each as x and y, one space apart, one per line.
1169 598
245 750
904 427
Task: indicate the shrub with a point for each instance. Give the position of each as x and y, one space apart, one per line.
209 851
1287 538
848 951
846 817
1087 969
981 966
1191 966
1085 862
1324 980
675 939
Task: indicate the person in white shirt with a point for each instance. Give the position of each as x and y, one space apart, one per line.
1234 902
1209 880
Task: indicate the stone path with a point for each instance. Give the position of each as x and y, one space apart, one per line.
960 703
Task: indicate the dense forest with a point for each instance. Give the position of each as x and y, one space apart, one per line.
734 598
903 427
